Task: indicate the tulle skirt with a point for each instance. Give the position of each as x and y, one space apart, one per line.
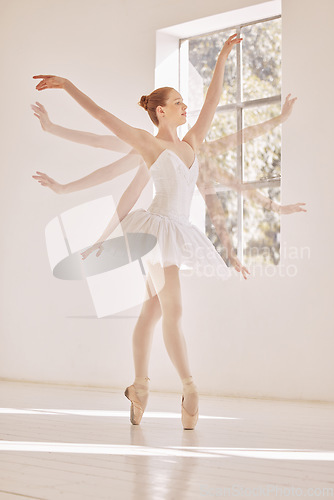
178 243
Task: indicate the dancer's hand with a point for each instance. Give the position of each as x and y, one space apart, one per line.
47 181
287 107
91 249
42 115
229 44
50 82
291 209
235 262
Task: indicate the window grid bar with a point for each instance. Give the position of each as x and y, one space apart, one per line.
239 172
230 28
252 185
264 101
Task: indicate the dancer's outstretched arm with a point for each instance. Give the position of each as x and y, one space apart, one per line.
229 180
131 160
196 135
126 202
110 142
103 174
247 134
139 139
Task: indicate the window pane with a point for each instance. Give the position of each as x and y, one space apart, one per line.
203 54
261 228
261 56
229 206
224 123
262 155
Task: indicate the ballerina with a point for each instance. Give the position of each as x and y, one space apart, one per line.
207 172
159 153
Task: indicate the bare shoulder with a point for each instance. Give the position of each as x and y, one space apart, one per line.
150 147
149 143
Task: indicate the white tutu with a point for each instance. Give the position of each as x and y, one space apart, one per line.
178 241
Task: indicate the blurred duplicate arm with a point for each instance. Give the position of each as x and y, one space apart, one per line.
111 142
99 176
213 173
217 217
125 204
231 141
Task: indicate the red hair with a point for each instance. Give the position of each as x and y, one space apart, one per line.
156 98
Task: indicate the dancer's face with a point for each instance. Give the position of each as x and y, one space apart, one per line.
174 111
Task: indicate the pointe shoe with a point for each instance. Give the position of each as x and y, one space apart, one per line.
136 410
188 421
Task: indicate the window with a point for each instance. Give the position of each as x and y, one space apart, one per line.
251 95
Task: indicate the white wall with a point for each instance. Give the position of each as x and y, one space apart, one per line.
264 337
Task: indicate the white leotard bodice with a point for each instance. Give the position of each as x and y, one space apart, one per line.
174 184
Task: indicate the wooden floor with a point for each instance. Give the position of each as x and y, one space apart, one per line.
78 443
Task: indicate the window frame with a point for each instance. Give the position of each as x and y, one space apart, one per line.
239 106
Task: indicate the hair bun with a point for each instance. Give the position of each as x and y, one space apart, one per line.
144 101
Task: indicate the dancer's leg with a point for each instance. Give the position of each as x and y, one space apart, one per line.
167 283
142 340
